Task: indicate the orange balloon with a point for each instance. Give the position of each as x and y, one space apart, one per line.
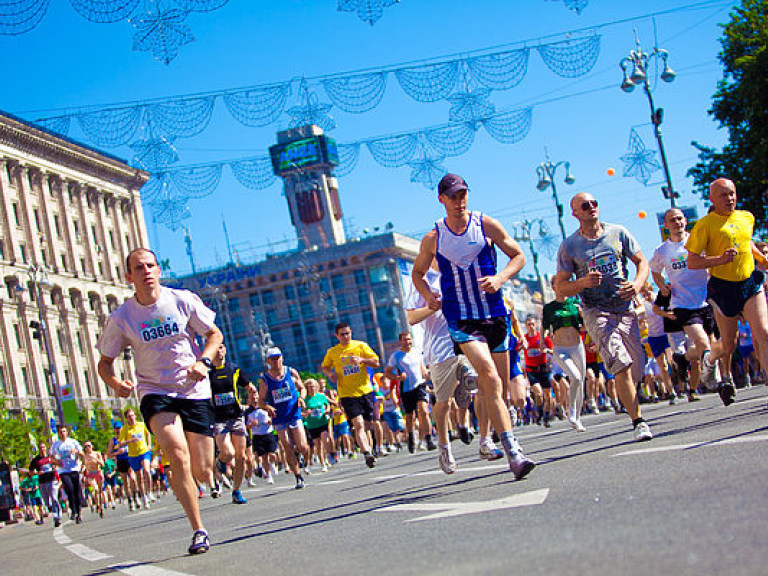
641 214
610 171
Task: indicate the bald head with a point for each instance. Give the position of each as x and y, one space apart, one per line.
722 194
584 207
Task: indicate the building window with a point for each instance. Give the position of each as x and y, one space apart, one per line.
82 264
25 380
16 217
101 270
80 342
64 262
290 292
112 239
234 305
62 341
268 297
23 253
57 225
95 236
360 277
17 333
2 250
87 380
127 243
2 380
379 274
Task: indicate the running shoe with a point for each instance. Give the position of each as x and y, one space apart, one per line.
727 391
56 522
370 460
251 483
431 443
576 424
200 542
324 469
215 490
489 451
521 466
238 498
707 369
422 447
227 483
465 435
643 432
411 442
78 519
270 478
299 483
446 460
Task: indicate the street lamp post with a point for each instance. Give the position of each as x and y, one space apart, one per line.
38 276
546 173
638 62
522 233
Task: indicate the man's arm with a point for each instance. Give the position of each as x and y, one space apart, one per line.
628 290
418 315
565 287
421 267
213 339
106 370
498 235
758 256
701 262
658 277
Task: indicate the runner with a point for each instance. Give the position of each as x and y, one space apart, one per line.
406 368
93 464
563 318
722 243
279 395
135 436
464 244
43 467
120 454
264 439
161 325
597 255
687 290
230 431
346 365
317 410
67 452
537 369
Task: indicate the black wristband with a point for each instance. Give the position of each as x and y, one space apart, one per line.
207 363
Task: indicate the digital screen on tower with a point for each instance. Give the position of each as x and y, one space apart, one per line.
304 153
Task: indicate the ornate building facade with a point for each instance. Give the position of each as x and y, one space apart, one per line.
69 215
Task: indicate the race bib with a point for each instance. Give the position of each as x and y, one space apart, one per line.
316 413
349 370
150 333
224 399
281 394
679 262
533 352
607 264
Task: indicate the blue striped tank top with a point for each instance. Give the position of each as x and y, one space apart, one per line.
463 259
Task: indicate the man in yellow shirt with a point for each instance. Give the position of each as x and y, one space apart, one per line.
722 242
347 365
135 436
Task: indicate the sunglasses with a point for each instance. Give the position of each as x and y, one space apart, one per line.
589 204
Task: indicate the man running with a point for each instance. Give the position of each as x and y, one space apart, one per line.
230 431
67 452
93 462
464 244
722 243
161 325
42 466
687 289
135 436
406 368
120 455
346 365
597 255
279 395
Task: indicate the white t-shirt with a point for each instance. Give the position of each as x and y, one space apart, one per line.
689 287
67 452
654 321
260 422
437 345
162 336
408 364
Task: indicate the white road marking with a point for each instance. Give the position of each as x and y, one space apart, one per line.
87 553
484 468
451 509
144 570
672 447
60 537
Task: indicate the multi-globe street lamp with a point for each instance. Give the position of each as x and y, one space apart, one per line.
635 68
546 173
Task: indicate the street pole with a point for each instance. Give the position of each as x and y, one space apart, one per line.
546 172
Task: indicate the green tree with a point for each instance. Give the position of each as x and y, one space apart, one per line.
96 428
740 106
19 434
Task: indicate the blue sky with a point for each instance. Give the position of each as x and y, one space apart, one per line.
66 63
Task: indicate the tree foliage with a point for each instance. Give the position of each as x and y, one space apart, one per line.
740 105
19 435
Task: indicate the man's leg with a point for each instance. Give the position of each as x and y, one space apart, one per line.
238 470
188 454
756 313
288 450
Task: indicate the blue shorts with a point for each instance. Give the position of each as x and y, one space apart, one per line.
341 429
658 344
394 421
493 331
135 461
607 375
730 297
514 358
290 425
746 351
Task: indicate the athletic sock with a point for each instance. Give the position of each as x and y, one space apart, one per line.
511 447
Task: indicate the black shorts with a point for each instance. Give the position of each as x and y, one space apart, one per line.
264 444
196 415
355 406
111 481
595 367
704 316
411 398
495 332
123 465
317 433
540 377
730 297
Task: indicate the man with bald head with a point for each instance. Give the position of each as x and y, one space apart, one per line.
597 254
722 243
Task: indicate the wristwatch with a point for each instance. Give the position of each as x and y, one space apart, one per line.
207 363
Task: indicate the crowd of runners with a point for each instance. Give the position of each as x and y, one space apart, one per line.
610 341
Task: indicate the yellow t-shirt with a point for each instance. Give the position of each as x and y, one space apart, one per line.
139 431
714 234
351 380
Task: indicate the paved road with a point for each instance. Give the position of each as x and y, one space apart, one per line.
692 501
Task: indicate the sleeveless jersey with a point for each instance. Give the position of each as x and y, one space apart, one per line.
283 397
225 395
463 259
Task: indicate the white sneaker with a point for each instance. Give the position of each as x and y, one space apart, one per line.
489 451
324 468
643 432
270 479
446 460
520 465
251 483
708 375
576 424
